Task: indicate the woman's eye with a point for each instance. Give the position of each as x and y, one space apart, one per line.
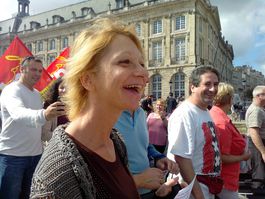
127 61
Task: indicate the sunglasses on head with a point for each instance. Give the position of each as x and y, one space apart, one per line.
26 59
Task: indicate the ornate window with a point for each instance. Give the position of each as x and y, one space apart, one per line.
52 44
156 86
138 29
65 42
157 51
180 49
40 46
157 26
180 22
179 84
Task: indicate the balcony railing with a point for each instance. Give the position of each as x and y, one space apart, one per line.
156 62
179 60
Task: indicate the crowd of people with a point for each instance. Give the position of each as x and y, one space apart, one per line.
94 137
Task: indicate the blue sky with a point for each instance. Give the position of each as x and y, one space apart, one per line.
242 24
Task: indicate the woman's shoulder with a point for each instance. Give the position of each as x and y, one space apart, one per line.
60 162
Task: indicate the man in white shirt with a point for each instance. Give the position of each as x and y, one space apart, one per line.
20 139
191 134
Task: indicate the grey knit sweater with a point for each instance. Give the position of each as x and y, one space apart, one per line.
62 172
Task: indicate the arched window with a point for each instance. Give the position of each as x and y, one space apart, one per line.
179 84
156 86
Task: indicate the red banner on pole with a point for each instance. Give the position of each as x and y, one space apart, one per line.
10 65
56 68
10 61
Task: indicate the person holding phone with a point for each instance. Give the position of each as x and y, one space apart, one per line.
54 94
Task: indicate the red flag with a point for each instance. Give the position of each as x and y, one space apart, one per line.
56 68
10 63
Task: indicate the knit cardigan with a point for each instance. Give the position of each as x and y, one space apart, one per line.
62 172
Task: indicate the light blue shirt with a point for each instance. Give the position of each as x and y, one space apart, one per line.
135 134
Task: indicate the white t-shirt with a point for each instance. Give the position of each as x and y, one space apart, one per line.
22 119
191 135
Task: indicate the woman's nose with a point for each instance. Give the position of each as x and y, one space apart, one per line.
142 71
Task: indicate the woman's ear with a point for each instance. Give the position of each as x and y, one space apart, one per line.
86 81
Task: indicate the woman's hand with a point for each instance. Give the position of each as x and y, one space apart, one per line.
246 155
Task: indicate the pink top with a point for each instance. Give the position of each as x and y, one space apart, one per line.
157 130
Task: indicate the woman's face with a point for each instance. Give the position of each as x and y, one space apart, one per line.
122 75
61 89
160 106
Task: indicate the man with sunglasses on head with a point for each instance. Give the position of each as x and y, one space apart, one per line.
255 122
20 138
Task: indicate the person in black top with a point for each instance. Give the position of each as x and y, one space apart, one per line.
171 103
147 104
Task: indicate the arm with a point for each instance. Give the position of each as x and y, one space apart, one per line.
255 137
153 153
227 159
47 129
225 132
187 172
14 105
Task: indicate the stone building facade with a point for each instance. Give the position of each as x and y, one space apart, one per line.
177 35
244 79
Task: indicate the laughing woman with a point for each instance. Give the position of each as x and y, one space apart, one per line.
86 158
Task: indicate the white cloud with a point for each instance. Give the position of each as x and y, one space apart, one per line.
243 26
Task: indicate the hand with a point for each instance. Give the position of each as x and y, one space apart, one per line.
167 164
162 114
246 155
54 110
151 178
166 188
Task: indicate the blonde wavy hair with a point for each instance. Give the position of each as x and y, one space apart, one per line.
224 94
162 102
85 54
